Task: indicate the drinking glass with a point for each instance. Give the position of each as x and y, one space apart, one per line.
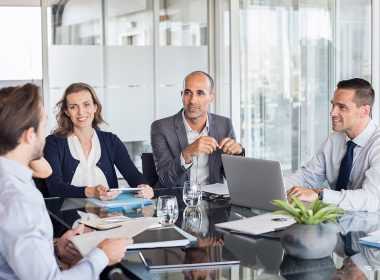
192 219
192 194
167 210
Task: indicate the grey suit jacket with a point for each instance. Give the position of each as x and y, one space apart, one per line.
168 139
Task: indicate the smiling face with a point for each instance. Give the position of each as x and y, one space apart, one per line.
81 109
197 97
346 115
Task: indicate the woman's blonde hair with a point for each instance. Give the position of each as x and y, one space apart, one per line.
64 124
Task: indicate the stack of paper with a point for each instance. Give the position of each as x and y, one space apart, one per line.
259 224
85 243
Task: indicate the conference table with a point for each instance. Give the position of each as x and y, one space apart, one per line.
261 257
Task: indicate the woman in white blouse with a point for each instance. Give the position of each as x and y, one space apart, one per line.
83 157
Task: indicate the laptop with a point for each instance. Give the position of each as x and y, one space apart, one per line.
254 182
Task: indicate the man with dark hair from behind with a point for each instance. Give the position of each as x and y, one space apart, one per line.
349 159
41 168
26 233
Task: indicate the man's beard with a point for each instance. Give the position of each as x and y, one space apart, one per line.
38 152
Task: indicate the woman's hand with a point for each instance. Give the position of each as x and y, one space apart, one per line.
146 192
101 192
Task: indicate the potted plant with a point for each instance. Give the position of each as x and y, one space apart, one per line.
314 235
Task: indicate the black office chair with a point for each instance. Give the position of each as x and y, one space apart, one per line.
42 187
149 168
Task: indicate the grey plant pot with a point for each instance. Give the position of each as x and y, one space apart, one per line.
309 241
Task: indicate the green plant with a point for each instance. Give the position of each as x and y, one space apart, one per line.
318 213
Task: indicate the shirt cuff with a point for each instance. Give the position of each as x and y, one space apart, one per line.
331 197
184 164
99 258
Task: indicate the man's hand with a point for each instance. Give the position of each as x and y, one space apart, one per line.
65 250
101 192
230 146
302 193
115 248
204 144
146 192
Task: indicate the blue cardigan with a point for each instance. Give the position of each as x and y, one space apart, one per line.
113 152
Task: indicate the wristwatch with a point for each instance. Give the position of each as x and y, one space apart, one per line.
320 194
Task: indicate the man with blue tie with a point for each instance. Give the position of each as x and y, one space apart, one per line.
349 159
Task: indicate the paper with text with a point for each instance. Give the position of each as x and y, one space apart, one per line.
85 243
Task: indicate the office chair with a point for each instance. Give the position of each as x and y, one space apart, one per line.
42 187
149 168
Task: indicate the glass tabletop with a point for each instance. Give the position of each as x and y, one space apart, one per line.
261 257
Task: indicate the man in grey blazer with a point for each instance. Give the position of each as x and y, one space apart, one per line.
188 145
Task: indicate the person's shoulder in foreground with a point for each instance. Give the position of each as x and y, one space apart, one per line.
26 234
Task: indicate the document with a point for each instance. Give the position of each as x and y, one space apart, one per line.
85 243
375 233
259 224
105 223
218 189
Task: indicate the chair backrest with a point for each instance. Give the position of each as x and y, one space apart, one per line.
149 168
41 186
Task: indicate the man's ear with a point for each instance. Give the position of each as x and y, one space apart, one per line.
365 111
28 135
212 97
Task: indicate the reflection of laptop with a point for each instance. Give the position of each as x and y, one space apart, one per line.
254 182
264 254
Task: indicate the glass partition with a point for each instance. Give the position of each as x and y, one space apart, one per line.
292 55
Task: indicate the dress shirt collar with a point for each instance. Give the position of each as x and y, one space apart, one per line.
188 127
20 171
364 136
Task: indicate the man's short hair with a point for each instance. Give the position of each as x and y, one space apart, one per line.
364 93
212 84
19 110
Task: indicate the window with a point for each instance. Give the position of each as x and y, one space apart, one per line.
292 55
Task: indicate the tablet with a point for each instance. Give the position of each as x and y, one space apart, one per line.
191 257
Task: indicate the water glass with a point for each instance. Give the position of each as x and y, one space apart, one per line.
167 210
192 220
192 194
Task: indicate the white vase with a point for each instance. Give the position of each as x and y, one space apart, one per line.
309 241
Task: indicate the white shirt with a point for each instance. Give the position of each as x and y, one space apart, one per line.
199 170
26 232
87 173
363 189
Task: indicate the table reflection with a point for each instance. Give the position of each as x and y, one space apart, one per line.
260 256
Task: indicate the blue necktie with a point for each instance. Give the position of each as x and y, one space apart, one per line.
345 167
